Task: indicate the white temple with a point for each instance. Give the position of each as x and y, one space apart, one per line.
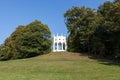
59 43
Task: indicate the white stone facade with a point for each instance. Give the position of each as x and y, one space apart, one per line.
59 43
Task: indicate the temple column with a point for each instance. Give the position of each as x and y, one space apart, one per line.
65 46
57 46
53 47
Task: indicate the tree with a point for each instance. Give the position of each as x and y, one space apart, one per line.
79 22
95 32
38 42
111 23
27 41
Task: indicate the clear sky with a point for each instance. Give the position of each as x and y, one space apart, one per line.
50 12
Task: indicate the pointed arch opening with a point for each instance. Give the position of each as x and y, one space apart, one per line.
63 46
59 46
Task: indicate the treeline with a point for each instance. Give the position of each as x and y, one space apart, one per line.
95 31
27 41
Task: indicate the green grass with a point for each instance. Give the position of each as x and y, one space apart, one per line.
59 66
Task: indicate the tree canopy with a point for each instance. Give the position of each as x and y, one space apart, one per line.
27 41
95 31
79 21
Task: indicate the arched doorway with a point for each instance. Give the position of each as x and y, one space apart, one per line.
63 46
59 46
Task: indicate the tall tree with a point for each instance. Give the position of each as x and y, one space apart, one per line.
79 21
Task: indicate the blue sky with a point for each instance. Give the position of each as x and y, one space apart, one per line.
50 12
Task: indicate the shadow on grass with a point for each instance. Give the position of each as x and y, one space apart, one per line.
101 60
110 62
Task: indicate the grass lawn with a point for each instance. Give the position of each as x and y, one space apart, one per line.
59 66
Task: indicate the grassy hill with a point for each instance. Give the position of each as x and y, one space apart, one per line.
59 66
